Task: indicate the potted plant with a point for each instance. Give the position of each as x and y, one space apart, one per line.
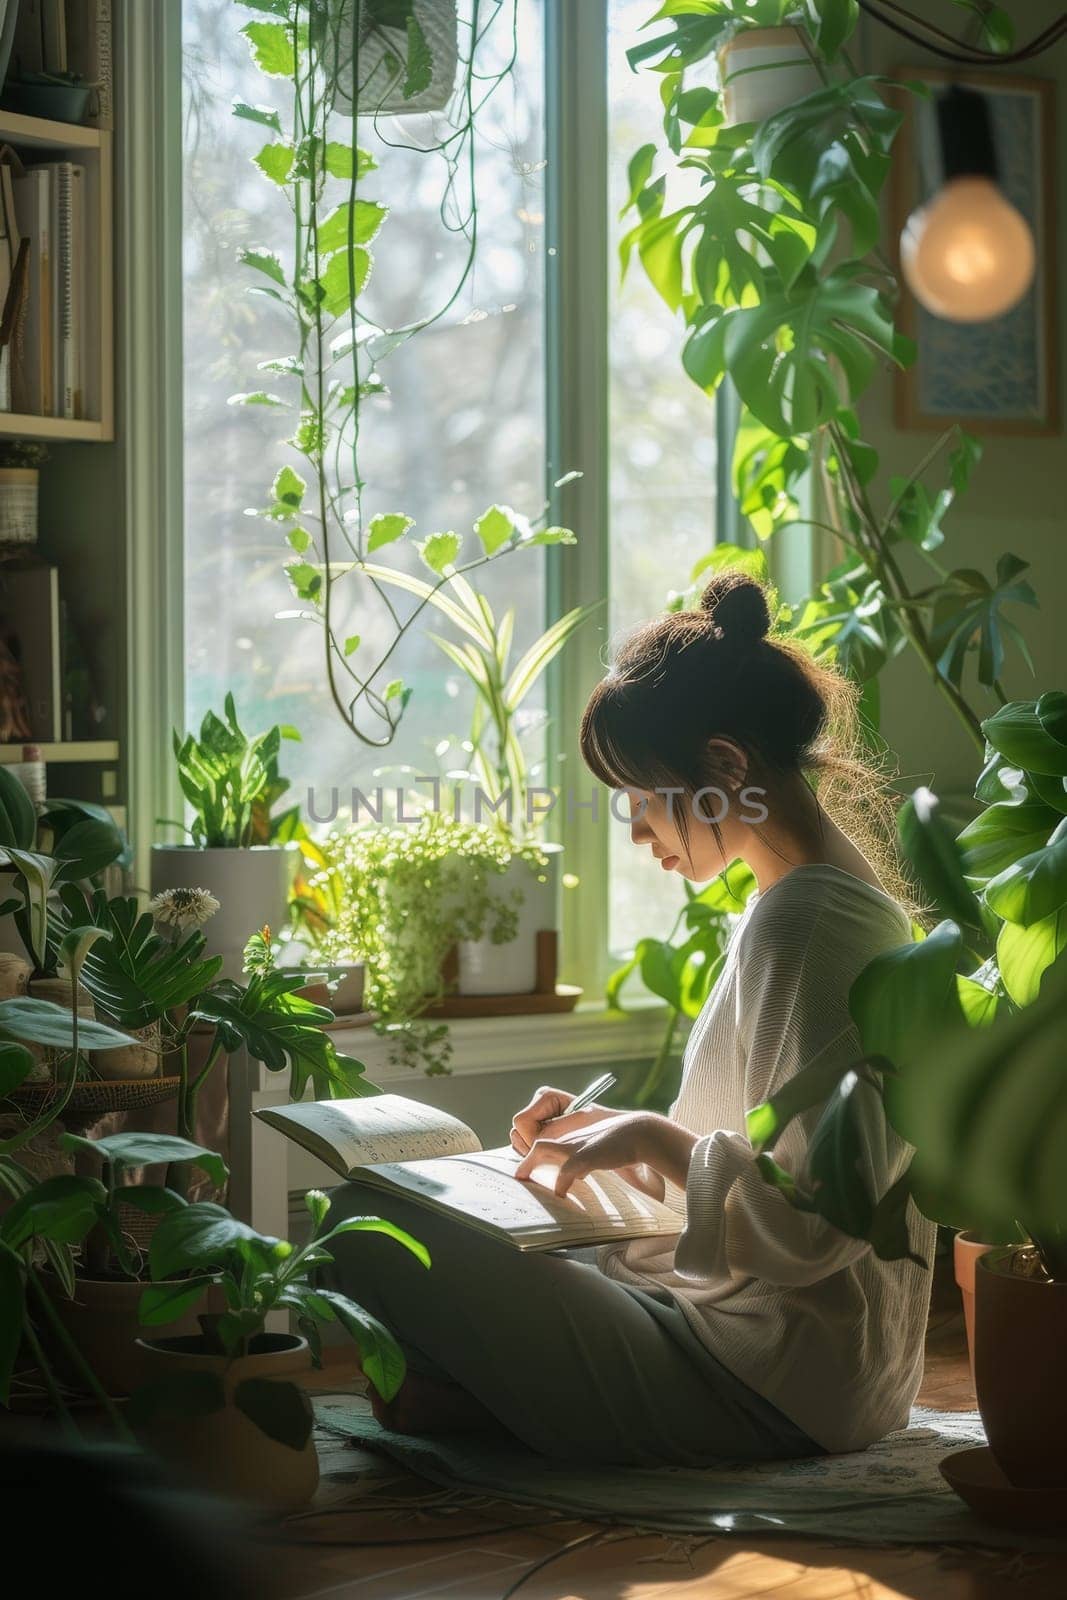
314 905
20 462
225 1404
97 1300
957 1032
59 96
413 892
238 850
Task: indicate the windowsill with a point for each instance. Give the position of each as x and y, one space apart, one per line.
590 1034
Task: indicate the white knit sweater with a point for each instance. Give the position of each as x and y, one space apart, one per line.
805 1315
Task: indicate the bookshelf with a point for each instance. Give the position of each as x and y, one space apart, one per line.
81 751
36 139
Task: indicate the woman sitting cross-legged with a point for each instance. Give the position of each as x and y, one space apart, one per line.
756 1331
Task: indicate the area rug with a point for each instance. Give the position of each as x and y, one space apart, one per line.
892 1493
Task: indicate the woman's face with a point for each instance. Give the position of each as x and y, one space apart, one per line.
657 818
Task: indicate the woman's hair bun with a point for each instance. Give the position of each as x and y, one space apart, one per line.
737 605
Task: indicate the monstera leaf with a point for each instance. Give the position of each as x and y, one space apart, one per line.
136 975
282 1030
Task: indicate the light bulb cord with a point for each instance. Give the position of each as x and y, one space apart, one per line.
952 50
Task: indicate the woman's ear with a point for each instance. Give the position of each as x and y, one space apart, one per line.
727 761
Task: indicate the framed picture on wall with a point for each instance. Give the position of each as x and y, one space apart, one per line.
1001 375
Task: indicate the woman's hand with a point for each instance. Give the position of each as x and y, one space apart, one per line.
550 1105
641 1146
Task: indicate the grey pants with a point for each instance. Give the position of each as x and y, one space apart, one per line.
575 1364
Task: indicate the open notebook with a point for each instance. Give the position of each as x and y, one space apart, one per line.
437 1161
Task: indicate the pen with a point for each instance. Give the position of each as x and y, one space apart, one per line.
599 1086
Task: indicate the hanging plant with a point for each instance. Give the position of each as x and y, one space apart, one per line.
322 506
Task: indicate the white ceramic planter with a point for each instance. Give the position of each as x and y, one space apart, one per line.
251 886
761 70
487 968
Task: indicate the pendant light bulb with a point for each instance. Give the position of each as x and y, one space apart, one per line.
968 255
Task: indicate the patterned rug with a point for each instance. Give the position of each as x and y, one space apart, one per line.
891 1493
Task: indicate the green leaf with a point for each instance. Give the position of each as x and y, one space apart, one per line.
16 1064
63 1209
266 116
288 489
1032 888
265 261
342 282
18 819
205 1235
298 539
338 162
1027 739
831 23
1024 955
380 1355
271 44
439 551
419 60
280 1410
275 161
387 527
993 1116
1002 835
552 536
541 653
363 219
147 1150
929 845
166 1302
41 1022
351 644
495 527
967 617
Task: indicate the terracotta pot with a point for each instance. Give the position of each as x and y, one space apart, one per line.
224 1450
1020 1334
102 1321
965 1252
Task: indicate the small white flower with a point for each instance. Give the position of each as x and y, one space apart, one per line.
185 908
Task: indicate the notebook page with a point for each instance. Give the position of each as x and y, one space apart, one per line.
372 1129
484 1188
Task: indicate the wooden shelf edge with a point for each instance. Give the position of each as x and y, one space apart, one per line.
70 750
45 134
25 426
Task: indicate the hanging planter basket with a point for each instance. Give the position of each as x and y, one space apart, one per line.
402 53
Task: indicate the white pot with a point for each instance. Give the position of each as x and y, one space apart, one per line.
762 70
347 997
128 1062
487 968
251 886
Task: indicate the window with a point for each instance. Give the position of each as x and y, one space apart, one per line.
463 424
461 427
663 455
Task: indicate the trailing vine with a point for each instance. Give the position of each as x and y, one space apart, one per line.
338 346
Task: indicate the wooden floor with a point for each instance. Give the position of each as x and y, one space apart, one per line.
477 1563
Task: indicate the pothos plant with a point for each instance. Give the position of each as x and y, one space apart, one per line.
405 895
337 539
776 269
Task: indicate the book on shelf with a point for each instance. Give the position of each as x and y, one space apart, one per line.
31 629
391 1143
88 32
33 373
68 251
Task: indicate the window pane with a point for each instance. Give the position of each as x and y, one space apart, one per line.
662 462
461 427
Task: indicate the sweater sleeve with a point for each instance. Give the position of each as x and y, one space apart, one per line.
793 1006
